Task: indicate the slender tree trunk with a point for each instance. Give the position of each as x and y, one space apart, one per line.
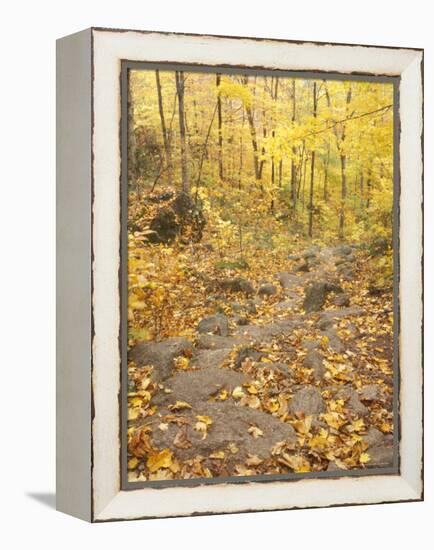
253 137
343 159
132 146
312 169
326 174
166 141
343 195
293 168
220 123
180 85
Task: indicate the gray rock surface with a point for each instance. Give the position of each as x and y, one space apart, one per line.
314 360
267 289
230 425
308 401
160 355
214 324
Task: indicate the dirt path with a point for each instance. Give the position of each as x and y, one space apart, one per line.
291 375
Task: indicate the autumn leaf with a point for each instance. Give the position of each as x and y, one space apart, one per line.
161 459
255 431
179 406
181 440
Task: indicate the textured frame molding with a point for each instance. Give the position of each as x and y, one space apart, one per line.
89 198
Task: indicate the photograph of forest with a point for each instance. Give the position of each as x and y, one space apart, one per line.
260 274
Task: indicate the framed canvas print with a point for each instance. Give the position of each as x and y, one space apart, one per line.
239 274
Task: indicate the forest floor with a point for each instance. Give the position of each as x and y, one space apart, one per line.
293 372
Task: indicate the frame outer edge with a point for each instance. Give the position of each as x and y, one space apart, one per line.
73 275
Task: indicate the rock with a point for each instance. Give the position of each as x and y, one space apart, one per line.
302 267
347 272
310 252
251 307
352 401
287 280
370 393
310 344
231 423
208 358
324 323
333 467
165 227
333 314
334 341
341 300
307 401
175 217
316 295
279 368
160 355
241 321
343 250
238 284
214 324
287 305
247 352
267 289
381 456
314 360
373 437
293 257
198 386
214 341
379 246
263 333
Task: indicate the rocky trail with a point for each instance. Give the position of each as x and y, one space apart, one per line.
292 373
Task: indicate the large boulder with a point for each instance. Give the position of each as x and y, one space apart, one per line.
267 289
228 433
247 352
197 387
182 216
160 355
208 358
381 456
314 361
214 341
308 401
316 295
352 401
238 284
214 324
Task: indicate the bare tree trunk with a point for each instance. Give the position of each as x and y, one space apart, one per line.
312 169
293 169
343 195
253 137
219 122
163 127
326 174
132 146
180 85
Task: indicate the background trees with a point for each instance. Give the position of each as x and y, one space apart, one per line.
267 155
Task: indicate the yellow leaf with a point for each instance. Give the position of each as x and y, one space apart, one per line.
133 463
205 419
133 414
238 393
179 406
182 362
220 455
223 395
255 431
364 458
162 459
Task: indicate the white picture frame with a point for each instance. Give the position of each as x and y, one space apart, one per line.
88 271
